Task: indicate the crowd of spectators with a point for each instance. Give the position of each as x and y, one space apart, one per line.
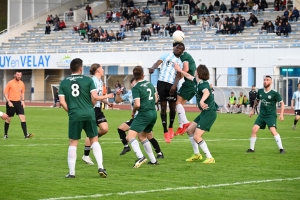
58 24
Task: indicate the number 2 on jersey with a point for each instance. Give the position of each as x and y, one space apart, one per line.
75 90
150 94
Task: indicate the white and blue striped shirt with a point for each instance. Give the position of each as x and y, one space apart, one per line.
98 85
296 98
128 97
167 72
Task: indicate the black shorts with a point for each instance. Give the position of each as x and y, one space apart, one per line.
129 122
99 115
251 104
163 89
18 109
297 112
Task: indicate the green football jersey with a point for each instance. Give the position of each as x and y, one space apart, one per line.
210 101
145 91
77 91
186 57
268 102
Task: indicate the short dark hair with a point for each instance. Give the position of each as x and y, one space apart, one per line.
18 71
138 72
94 68
180 44
132 80
268 77
76 64
253 85
203 72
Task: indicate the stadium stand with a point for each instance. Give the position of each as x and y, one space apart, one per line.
69 41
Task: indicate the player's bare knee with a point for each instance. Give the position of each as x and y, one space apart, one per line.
297 117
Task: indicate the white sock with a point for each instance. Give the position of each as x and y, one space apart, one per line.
179 121
278 141
136 148
148 150
202 144
97 151
194 144
72 155
252 142
226 108
181 113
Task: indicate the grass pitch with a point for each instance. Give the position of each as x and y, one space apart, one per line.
35 168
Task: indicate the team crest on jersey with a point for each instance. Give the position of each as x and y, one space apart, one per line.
269 97
169 63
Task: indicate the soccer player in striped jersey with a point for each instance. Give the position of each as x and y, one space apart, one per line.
295 104
126 125
167 86
97 72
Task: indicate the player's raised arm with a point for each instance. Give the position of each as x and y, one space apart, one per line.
186 75
156 65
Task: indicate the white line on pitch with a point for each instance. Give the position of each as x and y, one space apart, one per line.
176 141
172 189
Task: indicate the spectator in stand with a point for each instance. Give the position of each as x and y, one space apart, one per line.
156 28
103 36
270 27
279 29
128 24
148 33
178 27
162 31
171 19
227 27
295 15
242 7
249 4
62 25
194 19
205 25
172 30
232 6
240 27
286 13
56 20
70 14
264 3
121 35
189 20
210 8
220 28
286 29
223 8
255 9
47 29
252 21
233 28
108 17
49 20
197 10
89 12
192 6
96 37
143 35
264 26
133 25
81 25
203 8
217 5
56 27
112 36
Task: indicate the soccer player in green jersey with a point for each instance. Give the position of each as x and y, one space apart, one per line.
77 95
208 107
143 94
267 114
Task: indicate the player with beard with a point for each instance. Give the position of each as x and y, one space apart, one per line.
267 114
14 94
167 87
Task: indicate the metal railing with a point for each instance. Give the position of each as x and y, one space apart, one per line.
94 48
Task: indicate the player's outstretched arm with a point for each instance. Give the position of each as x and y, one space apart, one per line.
156 65
186 75
118 97
63 103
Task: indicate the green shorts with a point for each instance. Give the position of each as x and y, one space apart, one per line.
144 121
187 91
263 121
206 119
75 129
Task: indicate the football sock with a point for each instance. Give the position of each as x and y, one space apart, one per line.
252 142
181 114
98 154
6 126
202 144
164 121
278 141
295 121
72 159
24 128
172 115
194 144
148 150
122 135
87 150
155 145
136 148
